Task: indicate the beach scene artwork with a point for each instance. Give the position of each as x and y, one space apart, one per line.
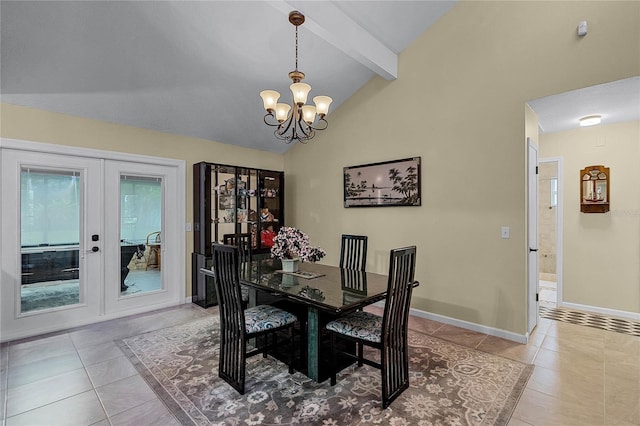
390 183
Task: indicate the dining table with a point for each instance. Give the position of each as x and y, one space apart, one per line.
321 291
324 291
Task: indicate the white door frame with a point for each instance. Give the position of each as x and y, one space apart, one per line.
559 224
175 230
532 236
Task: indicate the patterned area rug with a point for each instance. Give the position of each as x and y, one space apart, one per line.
449 385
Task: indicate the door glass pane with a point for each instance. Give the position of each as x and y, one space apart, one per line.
140 234
49 239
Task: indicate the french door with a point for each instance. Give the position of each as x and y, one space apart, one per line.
51 209
86 237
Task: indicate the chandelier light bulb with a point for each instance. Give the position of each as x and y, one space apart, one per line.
322 105
309 113
269 99
300 92
282 112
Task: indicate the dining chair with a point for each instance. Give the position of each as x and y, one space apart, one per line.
388 333
239 324
353 252
243 242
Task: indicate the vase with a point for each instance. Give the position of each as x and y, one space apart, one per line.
288 281
290 265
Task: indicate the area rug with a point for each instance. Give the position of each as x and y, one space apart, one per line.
449 385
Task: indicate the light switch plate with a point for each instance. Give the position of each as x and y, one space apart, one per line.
504 232
582 28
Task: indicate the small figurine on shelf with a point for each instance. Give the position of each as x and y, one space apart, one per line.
266 215
266 236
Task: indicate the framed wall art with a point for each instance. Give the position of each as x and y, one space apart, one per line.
385 184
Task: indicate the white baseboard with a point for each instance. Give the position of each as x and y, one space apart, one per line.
491 331
635 316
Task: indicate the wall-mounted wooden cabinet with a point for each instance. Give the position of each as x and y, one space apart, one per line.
594 189
232 200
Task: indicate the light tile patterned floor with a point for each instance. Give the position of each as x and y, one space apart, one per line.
583 375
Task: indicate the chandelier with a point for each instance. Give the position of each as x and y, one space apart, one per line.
297 122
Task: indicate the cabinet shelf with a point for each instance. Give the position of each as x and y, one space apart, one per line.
233 200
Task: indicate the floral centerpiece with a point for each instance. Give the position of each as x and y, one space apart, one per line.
292 243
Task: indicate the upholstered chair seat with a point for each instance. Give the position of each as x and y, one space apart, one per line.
265 317
360 325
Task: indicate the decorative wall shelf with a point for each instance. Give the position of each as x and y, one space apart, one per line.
594 189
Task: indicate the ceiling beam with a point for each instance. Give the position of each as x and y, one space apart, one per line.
330 23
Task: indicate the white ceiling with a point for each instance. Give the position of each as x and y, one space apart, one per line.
616 102
196 68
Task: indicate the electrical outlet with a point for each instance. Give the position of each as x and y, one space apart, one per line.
188 227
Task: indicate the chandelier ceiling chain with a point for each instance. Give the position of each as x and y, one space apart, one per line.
296 122
296 48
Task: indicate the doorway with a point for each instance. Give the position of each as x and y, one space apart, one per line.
80 219
550 232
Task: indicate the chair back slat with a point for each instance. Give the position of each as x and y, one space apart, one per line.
396 321
243 242
353 252
402 265
232 323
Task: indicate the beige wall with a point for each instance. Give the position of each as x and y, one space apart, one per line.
458 103
42 126
601 252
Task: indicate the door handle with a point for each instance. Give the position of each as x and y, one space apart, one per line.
94 249
532 249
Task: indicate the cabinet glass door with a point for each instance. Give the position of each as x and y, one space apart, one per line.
270 207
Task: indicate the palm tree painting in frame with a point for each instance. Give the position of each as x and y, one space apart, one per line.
384 184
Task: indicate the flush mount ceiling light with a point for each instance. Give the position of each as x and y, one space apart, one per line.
590 120
297 123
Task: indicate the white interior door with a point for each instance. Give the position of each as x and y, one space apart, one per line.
532 173
52 245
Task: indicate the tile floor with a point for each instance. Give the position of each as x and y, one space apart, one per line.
583 376
547 293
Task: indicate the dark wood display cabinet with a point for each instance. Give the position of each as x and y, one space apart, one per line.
231 201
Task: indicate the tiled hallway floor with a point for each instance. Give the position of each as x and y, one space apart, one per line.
583 375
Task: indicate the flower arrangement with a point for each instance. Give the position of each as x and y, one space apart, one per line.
292 242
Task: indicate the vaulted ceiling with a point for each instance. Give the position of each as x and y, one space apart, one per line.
196 68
